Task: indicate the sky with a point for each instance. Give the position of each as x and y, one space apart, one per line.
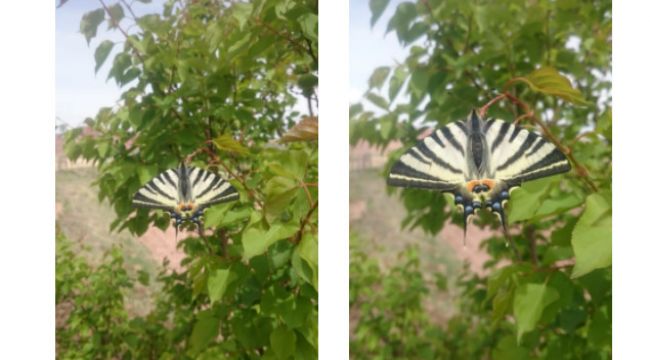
80 93
369 47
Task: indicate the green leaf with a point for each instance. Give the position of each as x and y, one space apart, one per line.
604 124
501 304
277 203
283 342
89 23
241 12
396 82
226 142
559 205
204 330
116 14
529 303
549 81
292 164
215 214
592 235
401 20
377 8
102 148
525 201
386 126
217 284
378 77
236 215
309 26
377 100
256 240
305 259
508 349
102 52
307 83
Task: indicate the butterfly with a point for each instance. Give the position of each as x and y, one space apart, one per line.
185 193
479 162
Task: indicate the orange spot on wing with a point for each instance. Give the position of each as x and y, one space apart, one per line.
470 184
489 183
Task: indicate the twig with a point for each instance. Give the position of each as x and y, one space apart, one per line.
304 222
309 198
484 108
520 118
224 243
130 10
529 233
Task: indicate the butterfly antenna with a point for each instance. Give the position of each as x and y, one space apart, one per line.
176 225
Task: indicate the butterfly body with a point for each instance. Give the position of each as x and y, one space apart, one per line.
185 193
479 162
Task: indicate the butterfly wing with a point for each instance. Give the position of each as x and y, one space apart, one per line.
159 193
440 162
210 189
437 162
518 155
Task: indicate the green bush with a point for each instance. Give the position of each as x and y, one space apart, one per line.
546 65
91 318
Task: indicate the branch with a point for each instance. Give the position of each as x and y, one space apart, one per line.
224 243
304 222
529 233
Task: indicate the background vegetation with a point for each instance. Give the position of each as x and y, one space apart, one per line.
546 65
230 86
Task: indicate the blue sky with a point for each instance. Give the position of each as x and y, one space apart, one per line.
369 47
79 92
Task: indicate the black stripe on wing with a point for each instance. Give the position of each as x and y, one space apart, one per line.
530 139
503 129
553 163
405 176
212 189
230 194
140 200
159 193
446 131
431 157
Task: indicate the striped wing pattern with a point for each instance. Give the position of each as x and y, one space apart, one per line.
437 162
205 189
159 193
520 155
209 189
479 162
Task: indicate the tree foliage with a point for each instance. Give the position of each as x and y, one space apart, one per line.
546 65
217 84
